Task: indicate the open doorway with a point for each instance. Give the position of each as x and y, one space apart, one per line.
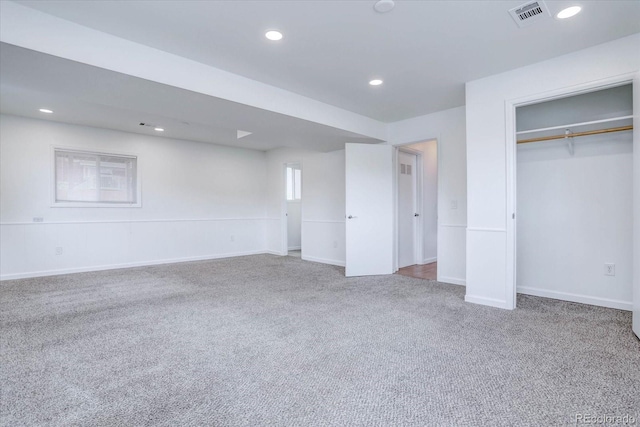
293 195
417 207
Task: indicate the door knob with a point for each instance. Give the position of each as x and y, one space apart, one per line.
351 217
416 214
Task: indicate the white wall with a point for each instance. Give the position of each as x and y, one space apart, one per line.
429 209
575 215
323 202
198 201
448 128
489 266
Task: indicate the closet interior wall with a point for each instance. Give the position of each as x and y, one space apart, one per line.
574 198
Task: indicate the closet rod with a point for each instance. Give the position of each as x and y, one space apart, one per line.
571 135
592 122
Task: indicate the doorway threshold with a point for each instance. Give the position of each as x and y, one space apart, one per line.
424 271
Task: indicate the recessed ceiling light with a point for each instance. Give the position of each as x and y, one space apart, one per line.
568 12
44 110
273 35
158 129
375 82
384 6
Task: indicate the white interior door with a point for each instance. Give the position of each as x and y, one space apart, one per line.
406 171
369 209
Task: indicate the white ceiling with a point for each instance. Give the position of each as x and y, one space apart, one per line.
424 50
91 96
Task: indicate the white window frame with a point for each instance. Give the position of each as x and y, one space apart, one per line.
61 204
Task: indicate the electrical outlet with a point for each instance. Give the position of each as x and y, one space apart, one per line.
454 204
59 250
335 244
609 269
38 219
233 238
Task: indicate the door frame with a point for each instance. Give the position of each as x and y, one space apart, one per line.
511 162
418 241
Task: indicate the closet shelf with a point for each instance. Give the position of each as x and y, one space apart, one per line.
572 135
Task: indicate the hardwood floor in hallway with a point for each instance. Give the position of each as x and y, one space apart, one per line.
425 271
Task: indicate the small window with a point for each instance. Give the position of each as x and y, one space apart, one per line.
294 183
88 179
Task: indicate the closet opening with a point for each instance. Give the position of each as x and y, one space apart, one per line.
574 198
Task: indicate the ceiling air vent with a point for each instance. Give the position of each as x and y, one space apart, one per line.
528 13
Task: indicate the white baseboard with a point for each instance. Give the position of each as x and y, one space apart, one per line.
124 265
583 299
323 260
491 302
429 260
295 248
452 280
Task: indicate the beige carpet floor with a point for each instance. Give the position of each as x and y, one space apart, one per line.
277 341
